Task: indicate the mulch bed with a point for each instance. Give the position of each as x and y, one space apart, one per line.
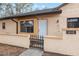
8 50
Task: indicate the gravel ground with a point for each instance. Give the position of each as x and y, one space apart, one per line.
8 50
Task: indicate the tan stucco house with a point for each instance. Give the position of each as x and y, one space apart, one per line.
42 22
36 22
59 26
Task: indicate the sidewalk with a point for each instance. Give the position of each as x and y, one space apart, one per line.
32 52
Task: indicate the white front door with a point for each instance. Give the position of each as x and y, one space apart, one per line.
42 27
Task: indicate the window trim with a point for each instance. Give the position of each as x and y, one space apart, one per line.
73 22
3 25
26 21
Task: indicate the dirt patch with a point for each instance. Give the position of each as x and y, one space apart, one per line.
8 50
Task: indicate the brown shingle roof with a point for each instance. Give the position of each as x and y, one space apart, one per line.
38 12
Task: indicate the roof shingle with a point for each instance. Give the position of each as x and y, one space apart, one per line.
38 12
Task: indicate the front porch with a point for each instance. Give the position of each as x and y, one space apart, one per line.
22 41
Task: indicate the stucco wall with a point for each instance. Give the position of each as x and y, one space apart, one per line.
15 40
10 27
70 10
9 36
69 44
53 28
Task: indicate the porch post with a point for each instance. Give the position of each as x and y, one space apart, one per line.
35 26
16 25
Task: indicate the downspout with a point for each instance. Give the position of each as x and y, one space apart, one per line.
16 25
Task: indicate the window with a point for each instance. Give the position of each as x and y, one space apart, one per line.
57 21
27 26
3 25
70 32
73 22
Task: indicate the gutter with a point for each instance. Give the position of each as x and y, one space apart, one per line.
16 25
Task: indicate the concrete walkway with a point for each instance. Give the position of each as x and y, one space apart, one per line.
32 52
